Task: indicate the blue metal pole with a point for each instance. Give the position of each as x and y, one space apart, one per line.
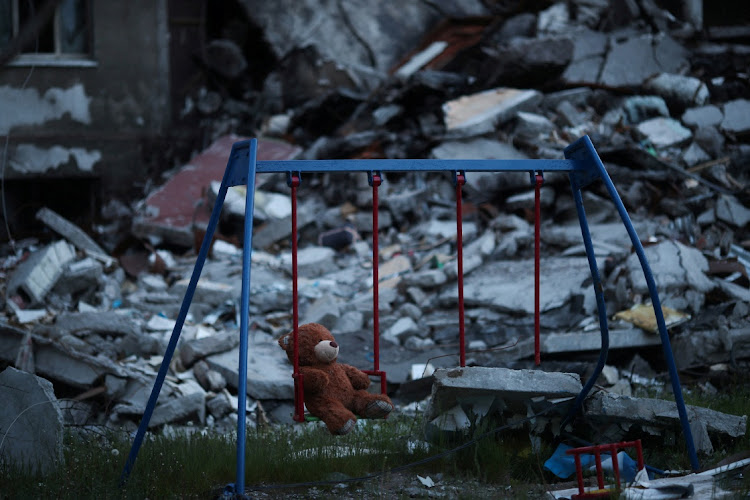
600 304
161 375
666 345
584 150
244 317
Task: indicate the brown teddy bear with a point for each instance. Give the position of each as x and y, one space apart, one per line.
334 392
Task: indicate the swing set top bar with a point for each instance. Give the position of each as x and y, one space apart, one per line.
240 151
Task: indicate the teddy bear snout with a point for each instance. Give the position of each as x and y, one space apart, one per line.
326 350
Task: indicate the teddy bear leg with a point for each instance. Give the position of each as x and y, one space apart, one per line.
372 405
337 418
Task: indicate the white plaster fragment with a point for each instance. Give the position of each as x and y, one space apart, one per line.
27 107
30 159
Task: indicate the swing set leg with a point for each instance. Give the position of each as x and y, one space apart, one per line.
583 150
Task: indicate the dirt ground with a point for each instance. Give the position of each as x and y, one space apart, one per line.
408 485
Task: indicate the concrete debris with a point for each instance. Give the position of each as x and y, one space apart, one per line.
36 276
31 423
481 388
736 120
663 132
609 408
662 96
480 113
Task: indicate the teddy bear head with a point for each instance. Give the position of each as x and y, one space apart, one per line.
316 345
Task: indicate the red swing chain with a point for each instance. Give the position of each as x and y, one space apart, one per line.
299 393
539 179
460 181
375 180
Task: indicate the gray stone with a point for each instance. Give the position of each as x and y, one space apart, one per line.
207 291
527 199
526 62
312 261
509 285
446 229
470 263
108 322
702 116
569 114
377 35
350 321
479 113
483 246
555 343
642 107
427 278
191 407
484 185
363 221
663 132
577 97
38 274
680 89
532 125
731 211
115 386
403 328
602 406
410 310
630 62
324 310
72 233
519 25
736 117
269 373
554 19
589 50
710 140
675 266
452 385
31 423
219 405
209 379
196 349
79 276
694 155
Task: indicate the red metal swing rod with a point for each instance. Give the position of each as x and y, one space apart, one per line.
539 180
299 397
299 393
375 181
460 181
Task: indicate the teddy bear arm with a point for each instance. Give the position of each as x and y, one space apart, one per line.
313 379
358 378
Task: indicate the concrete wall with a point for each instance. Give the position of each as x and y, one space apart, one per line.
91 121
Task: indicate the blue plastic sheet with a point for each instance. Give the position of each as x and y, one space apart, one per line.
563 465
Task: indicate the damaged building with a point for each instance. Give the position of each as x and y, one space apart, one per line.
118 120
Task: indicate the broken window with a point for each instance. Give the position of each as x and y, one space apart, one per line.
64 33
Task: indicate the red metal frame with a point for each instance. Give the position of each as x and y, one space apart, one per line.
539 180
597 450
460 181
375 180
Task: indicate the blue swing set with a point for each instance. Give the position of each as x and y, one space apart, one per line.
581 163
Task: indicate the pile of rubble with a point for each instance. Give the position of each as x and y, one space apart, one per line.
666 106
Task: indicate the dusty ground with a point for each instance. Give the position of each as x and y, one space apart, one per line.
407 485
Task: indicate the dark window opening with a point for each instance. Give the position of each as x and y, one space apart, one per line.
66 31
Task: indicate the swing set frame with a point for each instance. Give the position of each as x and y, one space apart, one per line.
581 163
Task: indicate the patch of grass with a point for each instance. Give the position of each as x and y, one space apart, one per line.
733 399
199 465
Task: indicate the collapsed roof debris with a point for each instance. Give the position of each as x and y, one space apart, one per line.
673 131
